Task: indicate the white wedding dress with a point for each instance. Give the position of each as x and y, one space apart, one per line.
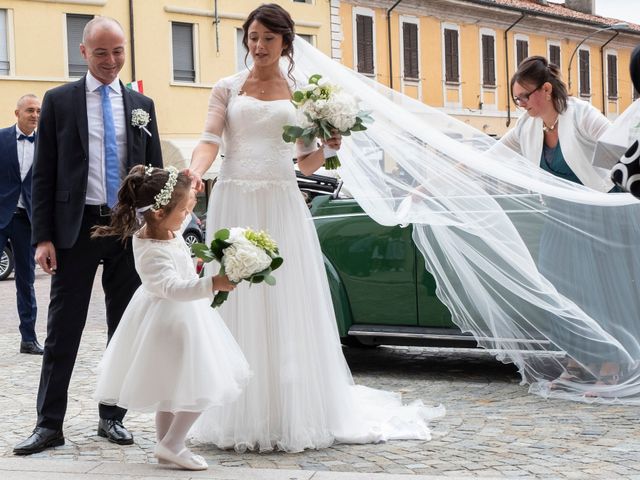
301 394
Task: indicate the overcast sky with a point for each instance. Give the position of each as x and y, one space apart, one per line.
628 10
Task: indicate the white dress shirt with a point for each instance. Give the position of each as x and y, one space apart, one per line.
25 158
96 186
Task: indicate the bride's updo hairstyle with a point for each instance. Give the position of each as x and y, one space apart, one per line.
537 70
137 200
277 20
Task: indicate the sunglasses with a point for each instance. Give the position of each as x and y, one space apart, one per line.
524 98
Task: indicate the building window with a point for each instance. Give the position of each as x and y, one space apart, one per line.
364 47
612 77
522 50
452 73
488 61
306 38
241 53
554 55
583 72
410 50
4 44
75 26
182 41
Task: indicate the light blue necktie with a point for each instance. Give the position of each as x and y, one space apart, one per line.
111 162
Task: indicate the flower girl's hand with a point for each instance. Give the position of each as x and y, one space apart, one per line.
221 283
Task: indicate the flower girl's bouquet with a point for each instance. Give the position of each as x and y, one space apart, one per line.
243 254
322 108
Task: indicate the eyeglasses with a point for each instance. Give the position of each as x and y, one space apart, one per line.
524 98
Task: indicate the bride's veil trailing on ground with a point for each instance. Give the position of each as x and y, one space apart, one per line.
543 272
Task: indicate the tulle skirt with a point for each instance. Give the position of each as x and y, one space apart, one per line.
301 394
170 356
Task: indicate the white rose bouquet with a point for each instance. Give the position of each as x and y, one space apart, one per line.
243 254
322 108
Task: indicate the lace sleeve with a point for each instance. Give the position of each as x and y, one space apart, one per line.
216 114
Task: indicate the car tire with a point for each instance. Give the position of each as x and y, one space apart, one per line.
191 237
353 342
6 264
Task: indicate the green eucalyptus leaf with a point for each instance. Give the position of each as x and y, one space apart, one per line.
270 280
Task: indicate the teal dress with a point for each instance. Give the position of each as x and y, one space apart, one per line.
553 162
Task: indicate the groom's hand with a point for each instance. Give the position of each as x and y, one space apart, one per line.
46 257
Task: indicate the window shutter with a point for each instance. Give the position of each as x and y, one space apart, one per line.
4 44
182 39
75 26
410 43
451 55
612 76
488 61
522 50
585 87
364 41
554 55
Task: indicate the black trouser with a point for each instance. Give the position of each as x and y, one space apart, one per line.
18 230
69 302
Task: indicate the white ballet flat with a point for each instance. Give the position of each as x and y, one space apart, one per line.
188 462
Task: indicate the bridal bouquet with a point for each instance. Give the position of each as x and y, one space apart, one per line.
243 254
322 108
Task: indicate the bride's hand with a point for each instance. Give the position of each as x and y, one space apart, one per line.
334 142
196 180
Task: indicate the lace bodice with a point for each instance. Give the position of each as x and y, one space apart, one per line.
254 149
250 133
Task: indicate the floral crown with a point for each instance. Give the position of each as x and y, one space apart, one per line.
164 196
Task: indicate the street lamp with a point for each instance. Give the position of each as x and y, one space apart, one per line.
615 26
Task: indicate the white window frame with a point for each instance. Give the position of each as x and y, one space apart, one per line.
11 57
555 43
519 37
445 85
579 94
415 21
493 89
65 43
196 56
368 12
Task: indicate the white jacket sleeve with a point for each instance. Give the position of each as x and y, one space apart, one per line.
592 124
160 277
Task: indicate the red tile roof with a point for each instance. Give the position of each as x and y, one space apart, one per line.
557 10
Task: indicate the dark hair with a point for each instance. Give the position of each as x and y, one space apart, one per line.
137 191
277 20
634 68
536 70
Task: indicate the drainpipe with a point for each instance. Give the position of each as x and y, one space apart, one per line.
389 42
216 22
604 105
133 42
506 58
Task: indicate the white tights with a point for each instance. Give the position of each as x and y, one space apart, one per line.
172 428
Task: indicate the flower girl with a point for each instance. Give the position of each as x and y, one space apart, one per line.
171 353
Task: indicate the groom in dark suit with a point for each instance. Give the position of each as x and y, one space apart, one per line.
91 133
17 145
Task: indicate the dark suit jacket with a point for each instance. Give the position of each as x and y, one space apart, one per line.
11 185
61 163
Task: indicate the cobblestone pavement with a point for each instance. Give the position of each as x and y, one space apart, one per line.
493 427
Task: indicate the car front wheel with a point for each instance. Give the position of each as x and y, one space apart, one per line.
192 237
6 264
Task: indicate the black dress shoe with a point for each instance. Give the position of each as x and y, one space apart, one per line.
114 431
41 439
33 347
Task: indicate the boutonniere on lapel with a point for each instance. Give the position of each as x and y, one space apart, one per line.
140 119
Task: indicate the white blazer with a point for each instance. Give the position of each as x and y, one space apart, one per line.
579 127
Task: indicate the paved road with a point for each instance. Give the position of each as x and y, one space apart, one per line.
493 427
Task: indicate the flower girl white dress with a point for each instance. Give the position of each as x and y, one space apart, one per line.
171 351
302 394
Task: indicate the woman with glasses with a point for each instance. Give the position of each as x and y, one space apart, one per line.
559 133
556 131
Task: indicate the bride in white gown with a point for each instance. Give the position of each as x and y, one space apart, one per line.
302 394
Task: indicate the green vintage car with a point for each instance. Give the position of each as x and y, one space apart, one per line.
381 291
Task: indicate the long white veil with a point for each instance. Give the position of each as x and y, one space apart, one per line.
542 271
